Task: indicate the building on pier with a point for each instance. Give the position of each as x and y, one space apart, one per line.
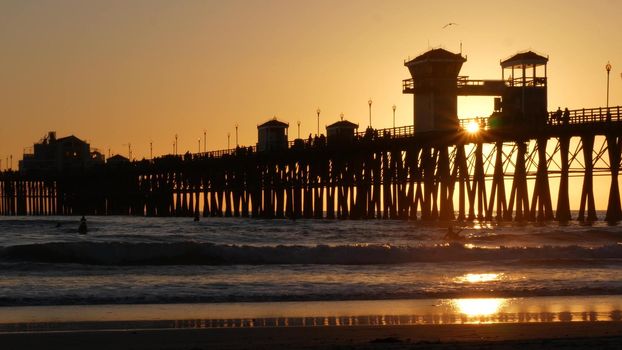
53 154
433 84
272 136
520 96
341 132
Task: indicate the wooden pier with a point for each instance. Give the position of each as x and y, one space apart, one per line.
440 168
492 174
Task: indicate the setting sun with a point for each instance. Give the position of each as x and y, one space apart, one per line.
472 127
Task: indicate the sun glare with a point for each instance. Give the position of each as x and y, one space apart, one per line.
472 127
478 307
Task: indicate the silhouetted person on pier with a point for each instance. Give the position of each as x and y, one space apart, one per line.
566 118
82 229
558 115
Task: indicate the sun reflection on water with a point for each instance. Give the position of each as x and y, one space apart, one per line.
479 277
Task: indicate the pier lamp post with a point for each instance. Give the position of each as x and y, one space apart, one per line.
608 69
204 140
175 144
228 140
318 121
236 135
199 140
150 149
298 128
394 108
369 102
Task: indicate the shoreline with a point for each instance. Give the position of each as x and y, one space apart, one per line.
570 335
313 314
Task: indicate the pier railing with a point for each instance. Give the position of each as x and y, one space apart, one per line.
575 117
586 116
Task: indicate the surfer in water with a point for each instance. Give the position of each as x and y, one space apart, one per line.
452 235
82 229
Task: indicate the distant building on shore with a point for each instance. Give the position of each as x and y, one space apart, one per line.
53 154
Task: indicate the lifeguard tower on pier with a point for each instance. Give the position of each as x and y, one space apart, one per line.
433 84
520 97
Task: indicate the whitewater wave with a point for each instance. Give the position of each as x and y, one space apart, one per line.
193 253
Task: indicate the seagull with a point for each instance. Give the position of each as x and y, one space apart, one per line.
450 24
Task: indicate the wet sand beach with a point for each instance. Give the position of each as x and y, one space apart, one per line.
580 335
533 323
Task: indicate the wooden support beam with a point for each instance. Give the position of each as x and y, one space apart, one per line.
518 194
446 211
587 190
541 207
497 194
614 212
563 202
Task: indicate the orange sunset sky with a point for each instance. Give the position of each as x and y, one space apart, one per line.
114 72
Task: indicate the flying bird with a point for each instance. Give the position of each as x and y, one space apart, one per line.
450 24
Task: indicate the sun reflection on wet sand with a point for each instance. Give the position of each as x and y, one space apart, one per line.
479 307
313 313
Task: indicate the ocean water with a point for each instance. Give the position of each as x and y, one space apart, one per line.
136 260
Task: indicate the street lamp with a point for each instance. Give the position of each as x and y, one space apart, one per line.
204 140
608 68
228 140
236 135
341 116
199 140
175 144
369 103
394 108
150 149
298 128
318 121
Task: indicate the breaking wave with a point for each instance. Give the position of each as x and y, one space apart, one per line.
193 253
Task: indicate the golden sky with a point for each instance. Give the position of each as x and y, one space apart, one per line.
114 72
